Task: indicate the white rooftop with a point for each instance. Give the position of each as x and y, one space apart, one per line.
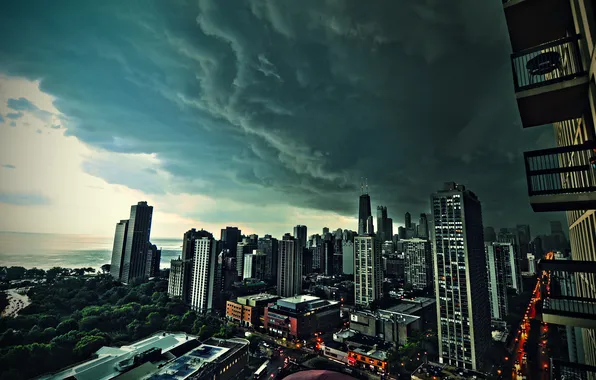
300 298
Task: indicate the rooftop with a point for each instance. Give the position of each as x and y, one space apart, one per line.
300 299
259 297
371 353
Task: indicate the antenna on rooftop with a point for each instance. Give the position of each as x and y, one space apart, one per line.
366 184
361 185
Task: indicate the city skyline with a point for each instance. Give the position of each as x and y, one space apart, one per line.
131 138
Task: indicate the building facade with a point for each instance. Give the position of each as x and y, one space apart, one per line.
204 289
175 279
134 262
269 246
249 311
289 275
463 310
418 263
118 249
255 265
497 260
368 271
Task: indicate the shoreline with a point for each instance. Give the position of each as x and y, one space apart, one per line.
17 300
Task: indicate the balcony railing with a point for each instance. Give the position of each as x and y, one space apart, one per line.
572 371
553 62
561 170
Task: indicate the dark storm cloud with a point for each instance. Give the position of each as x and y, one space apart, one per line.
21 104
286 101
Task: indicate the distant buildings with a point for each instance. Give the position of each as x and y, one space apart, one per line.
384 224
299 317
244 247
255 265
289 275
269 246
133 255
418 263
230 236
368 271
347 257
497 260
463 310
365 224
391 326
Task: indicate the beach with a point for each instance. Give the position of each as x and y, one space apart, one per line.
17 300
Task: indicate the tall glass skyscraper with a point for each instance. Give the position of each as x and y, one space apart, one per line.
137 242
463 310
118 249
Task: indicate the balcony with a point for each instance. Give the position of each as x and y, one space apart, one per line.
534 22
561 304
574 371
551 82
562 178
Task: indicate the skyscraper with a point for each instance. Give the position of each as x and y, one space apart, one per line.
381 222
408 220
175 279
300 233
204 288
153 261
246 246
418 263
423 227
490 235
347 256
188 255
364 213
327 257
255 265
497 259
269 246
463 310
368 270
118 249
231 236
289 277
137 242
513 269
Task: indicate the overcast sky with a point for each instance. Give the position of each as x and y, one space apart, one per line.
262 114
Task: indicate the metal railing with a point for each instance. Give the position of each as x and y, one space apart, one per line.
553 62
572 371
562 295
561 170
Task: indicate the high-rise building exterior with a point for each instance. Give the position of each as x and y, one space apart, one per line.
560 93
531 263
423 232
327 257
153 261
204 288
269 246
325 230
137 242
408 220
347 257
497 259
418 263
514 280
463 310
401 232
382 223
368 270
231 236
364 215
289 276
118 249
316 247
337 260
188 255
300 233
246 246
175 279
255 265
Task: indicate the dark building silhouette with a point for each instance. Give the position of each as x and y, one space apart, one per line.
269 246
490 235
301 236
137 242
246 246
231 236
364 214
423 232
408 220
153 261
118 249
381 222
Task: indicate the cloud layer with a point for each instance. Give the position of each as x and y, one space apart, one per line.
274 102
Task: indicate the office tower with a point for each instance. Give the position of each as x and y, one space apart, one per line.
175 279
523 240
531 263
536 247
327 257
463 310
307 263
204 289
512 270
387 247
401 232
315 246
153 261
301 236
382 223
289 277
231 236
423 227
348 235
412 232
418 263
338 265
497 259
408 220
253 239
368 270
137 242
255 265
347 256
118 249
490 235
338 234
325 230
395 239
246 246
269 246
188 254
370 225
364 213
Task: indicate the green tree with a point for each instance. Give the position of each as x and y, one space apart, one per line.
88 345
67 325
106 268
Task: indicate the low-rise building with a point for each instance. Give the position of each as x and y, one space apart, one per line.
163 356
422 307
249 310
372 359
390 326
301 316
335 351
